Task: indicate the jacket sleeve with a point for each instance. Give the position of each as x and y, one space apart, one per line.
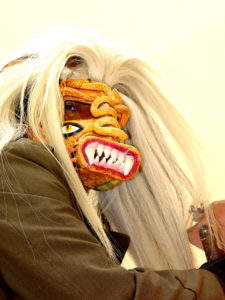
47 252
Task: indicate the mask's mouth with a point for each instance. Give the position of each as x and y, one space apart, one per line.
119 161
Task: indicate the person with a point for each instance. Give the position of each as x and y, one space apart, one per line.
94 159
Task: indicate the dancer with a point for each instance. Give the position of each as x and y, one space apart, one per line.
96 162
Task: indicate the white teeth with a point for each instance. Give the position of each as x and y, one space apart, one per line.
107 151
121 168
103 161
90 152
116 163
128 165
110 161
121 157
113 158
114 154
100 149
96 160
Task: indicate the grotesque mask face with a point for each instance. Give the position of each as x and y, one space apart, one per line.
94 118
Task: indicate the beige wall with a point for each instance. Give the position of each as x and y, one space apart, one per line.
184 39
196 71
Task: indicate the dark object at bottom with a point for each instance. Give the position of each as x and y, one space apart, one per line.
217 267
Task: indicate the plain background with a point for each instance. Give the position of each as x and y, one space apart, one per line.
184 40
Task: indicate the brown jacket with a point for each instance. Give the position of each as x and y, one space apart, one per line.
47 252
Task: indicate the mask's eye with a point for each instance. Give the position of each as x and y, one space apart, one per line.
70 129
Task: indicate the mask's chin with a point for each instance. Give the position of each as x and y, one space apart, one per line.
107 186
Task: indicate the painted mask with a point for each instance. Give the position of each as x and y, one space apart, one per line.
94 118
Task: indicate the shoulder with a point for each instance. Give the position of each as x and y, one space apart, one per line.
27 166
25 149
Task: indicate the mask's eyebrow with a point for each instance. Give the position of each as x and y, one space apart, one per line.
75 110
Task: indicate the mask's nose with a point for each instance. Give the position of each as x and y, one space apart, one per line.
107 122
109 127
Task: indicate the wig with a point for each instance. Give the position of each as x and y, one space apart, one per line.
152 208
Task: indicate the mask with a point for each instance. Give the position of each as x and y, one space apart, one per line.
94 118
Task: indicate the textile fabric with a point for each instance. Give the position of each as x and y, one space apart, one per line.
47 251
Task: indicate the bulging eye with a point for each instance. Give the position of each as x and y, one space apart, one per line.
70 129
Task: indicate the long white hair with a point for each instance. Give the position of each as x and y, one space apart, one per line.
152 208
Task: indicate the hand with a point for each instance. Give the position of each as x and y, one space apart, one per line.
219 213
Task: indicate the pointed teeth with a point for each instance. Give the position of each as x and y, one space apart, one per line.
107 151
90 152
128 165
111 158
103 161
110 161
100 149
114 154
96 160
121 157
